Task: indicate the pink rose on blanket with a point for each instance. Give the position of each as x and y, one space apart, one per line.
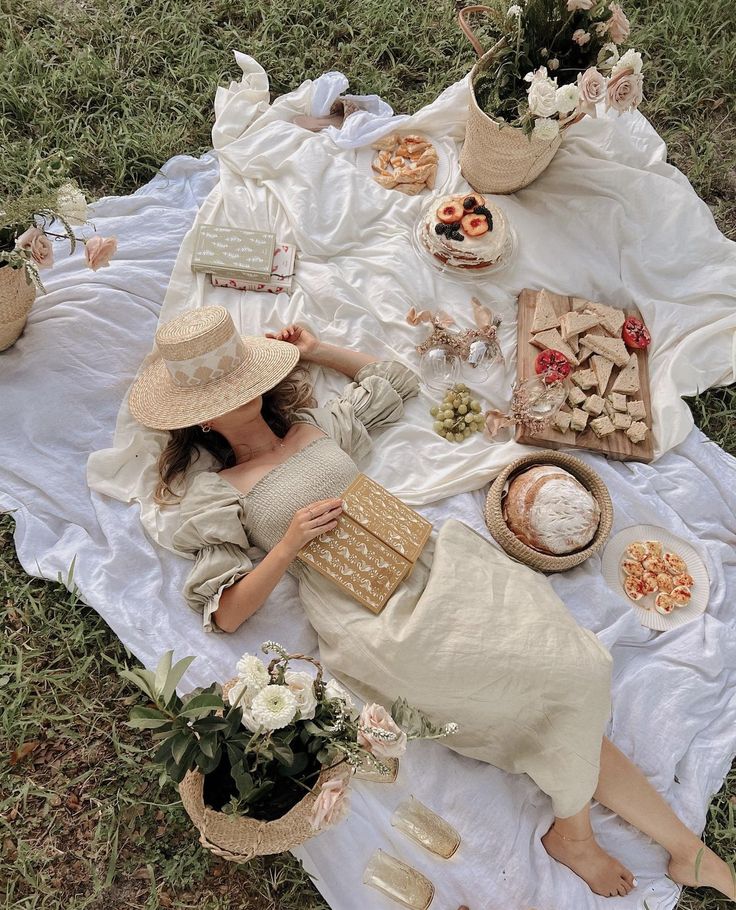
618 25
379 733
98 251
624 91
38 245
592 88
332 803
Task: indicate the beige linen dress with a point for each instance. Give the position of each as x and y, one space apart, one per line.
470 636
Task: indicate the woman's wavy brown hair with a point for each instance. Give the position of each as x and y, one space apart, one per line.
185 446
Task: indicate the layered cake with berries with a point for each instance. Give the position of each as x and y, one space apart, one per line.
466 232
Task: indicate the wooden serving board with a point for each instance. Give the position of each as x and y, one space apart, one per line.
617 445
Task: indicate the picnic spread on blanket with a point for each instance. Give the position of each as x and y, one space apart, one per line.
583 333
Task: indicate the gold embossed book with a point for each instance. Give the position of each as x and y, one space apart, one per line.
234 253
374 546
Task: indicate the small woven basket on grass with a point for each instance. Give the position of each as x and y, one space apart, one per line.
544 562
16 300
238 838
496 157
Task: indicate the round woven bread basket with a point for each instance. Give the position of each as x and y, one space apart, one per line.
16 300
496 157
544 562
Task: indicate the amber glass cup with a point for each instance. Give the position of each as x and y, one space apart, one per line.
426 828
398 881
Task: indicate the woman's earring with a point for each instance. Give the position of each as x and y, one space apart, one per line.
205 427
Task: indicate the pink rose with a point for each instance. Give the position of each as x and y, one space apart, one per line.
618 25
624 91
39 246
581 37
374 719
331 805
592 87
98 251
573 5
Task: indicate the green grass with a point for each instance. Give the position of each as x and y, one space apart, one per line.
120 88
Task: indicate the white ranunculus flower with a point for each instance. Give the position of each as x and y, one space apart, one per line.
542 95
567 98
274 707
71 203
238 696
333 689
253 672
301 686
545 128
631 60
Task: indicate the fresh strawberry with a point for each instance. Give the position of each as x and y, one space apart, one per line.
475 225
450 212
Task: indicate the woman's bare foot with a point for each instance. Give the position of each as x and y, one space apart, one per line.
602 873
712 871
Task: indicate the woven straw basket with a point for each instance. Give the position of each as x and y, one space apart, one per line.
520 551
496 157
16 300
238 838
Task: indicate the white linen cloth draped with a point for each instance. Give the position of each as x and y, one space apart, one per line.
63 382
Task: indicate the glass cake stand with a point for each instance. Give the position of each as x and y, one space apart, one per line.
469 276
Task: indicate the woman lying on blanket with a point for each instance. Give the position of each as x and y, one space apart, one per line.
469 636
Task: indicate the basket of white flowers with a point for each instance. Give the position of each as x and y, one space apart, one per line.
265 762
552 63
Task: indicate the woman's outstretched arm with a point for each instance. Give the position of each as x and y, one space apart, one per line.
241 600
344 360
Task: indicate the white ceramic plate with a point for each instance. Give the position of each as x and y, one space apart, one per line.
614 576
364 159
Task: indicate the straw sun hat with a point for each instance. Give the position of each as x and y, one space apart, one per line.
204 368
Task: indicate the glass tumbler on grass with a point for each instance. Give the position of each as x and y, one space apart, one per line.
426 828
398 881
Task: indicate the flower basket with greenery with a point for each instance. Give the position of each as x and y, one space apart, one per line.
265 762
552 63
49 200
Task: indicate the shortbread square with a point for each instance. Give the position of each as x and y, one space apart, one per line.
579 420
602 426
576 396
621 421
561 421
637 432
637 409
594 405
618 401
586 379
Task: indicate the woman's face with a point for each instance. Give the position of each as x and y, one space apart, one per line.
234 420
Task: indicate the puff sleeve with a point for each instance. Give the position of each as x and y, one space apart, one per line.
212 534
374 399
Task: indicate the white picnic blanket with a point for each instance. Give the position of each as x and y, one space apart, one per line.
674 693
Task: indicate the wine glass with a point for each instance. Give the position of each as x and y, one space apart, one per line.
481 356
439 368
543 400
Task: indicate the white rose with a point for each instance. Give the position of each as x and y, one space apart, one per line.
274 707
546 128
253 672
301 686
536 75
542 94
567 98
631 60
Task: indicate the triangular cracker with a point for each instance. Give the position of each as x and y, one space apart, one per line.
545 315
611 318
627 381
573 323
552 339
602 369
611 348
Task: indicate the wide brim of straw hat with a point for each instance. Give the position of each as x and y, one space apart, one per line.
157 402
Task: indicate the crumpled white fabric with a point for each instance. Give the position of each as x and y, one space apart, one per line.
674 694
609 219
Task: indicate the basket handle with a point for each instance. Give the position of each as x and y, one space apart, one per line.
462 18
279 660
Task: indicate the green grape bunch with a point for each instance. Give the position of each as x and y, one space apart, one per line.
459 415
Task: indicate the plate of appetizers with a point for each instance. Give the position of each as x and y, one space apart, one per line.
662 577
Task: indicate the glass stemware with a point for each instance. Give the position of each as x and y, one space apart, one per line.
439 368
